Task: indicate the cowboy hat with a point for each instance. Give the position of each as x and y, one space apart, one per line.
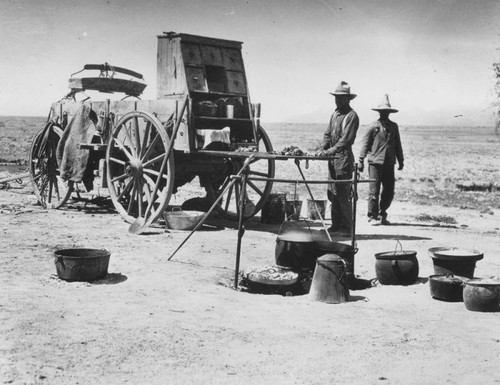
343 89
385 105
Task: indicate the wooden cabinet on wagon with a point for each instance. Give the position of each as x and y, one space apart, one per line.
211 72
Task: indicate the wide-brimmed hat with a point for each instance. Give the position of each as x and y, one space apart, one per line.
343 89
385 105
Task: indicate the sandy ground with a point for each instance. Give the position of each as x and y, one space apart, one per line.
153 321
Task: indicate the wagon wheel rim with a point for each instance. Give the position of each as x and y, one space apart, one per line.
135 156
51 190
256 191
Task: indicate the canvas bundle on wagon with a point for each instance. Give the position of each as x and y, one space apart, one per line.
144 150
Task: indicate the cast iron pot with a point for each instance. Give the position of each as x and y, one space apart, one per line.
82 264
397 267
295 248
482 295
447 287
452 260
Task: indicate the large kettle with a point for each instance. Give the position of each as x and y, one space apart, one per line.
295 247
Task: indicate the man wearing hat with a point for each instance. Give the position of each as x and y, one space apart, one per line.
382 144
337 142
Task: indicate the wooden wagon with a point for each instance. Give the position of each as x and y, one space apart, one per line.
145 150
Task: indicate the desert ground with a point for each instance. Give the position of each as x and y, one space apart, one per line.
154 321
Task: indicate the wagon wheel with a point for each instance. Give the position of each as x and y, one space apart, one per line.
50 189
257 191
140 174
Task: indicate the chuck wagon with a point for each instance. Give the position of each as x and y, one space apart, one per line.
201 124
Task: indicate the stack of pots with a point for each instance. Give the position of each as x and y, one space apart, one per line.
453 280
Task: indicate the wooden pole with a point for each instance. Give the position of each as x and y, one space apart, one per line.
241 228
354 203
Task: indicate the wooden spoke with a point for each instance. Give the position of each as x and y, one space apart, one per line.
119 161
126 128
122 147
151 146
255 188
125 191
145 139
155 173
119 178
137 136
154 160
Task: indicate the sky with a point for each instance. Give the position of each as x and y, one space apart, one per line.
433 58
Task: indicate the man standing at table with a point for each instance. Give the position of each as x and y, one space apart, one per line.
337 143
382 144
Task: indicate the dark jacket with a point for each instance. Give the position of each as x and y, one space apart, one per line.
339 138
382 144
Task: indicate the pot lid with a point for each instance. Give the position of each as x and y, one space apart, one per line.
483 282
449 278
401 254
455 253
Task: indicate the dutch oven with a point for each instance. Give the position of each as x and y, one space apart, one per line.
81 264
397 267
482 294
447 287
454 260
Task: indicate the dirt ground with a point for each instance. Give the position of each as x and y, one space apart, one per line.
153 321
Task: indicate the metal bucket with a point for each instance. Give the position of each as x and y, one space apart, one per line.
82 264
328 283
293 209
273 211
311 209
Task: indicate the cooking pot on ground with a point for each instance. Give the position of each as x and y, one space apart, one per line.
81 264
397 267
447 287
482 295
454 260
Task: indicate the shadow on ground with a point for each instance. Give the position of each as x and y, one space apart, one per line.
111 279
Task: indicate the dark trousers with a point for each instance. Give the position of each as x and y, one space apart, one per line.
339 194
383 174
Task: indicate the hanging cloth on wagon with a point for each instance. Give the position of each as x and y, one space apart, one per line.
71 159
